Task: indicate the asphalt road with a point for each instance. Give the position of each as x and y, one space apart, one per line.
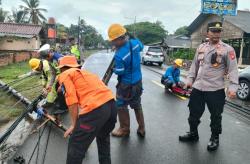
165 119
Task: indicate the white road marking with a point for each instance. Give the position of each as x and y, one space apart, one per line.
159 84
237 122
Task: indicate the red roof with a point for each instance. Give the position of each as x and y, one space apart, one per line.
19 29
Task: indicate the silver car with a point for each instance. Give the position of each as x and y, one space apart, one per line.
243 92
152 54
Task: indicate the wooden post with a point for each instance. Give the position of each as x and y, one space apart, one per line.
241 51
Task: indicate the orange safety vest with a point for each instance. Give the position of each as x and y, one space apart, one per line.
85 89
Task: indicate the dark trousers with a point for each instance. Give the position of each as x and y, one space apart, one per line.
96 124
215 101
127 94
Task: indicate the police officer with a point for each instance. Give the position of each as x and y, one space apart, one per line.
213 60
129 87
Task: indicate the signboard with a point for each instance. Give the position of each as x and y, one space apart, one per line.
219 7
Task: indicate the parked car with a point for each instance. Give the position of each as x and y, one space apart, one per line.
243 92
152 54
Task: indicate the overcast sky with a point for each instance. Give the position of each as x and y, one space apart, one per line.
102 13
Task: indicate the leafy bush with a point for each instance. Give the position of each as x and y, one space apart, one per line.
187 54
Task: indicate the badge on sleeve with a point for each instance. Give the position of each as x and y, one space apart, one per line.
232 55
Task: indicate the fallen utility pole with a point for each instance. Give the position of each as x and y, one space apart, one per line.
109 72
31 107
4 85
14 92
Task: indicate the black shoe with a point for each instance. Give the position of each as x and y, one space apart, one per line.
141 134
189 137
213 143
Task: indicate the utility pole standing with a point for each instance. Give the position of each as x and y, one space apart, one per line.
79 28
134 26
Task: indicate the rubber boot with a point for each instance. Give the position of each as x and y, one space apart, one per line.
124 129
213 143
140 119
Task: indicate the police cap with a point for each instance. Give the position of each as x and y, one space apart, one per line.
214 26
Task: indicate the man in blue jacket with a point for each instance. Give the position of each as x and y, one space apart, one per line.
129 87
171 78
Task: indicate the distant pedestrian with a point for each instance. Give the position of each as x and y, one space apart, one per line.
213 59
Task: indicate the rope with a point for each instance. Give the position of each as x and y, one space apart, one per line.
11 107
20 118
14 81
46 147
9 90
32 154
38 147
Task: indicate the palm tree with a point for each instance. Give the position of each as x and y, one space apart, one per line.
35 13
3 15
18 16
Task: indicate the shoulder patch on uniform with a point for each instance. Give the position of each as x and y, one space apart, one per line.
232 55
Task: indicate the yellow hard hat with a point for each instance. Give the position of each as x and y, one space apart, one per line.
115 31
178 62
34 63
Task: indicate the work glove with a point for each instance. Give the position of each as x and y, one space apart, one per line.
40 112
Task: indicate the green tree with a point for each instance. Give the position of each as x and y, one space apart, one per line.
35 12
62 31
17 16
148 32
3 15
181 31
88 34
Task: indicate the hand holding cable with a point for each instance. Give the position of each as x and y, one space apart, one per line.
40 112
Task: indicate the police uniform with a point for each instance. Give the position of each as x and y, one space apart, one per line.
207 76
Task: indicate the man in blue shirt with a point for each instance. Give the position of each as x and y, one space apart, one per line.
129 87
171 78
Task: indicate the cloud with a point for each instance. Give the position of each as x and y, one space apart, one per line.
101 13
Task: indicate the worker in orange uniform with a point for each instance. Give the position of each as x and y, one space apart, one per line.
92 109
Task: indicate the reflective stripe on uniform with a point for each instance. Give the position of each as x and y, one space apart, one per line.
128 54
119 69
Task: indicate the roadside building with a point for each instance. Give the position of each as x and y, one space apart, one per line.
176 43
236 32
18 42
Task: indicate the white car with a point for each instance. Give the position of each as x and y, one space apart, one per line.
152 54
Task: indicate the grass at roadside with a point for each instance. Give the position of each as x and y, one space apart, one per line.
29 87
11 72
